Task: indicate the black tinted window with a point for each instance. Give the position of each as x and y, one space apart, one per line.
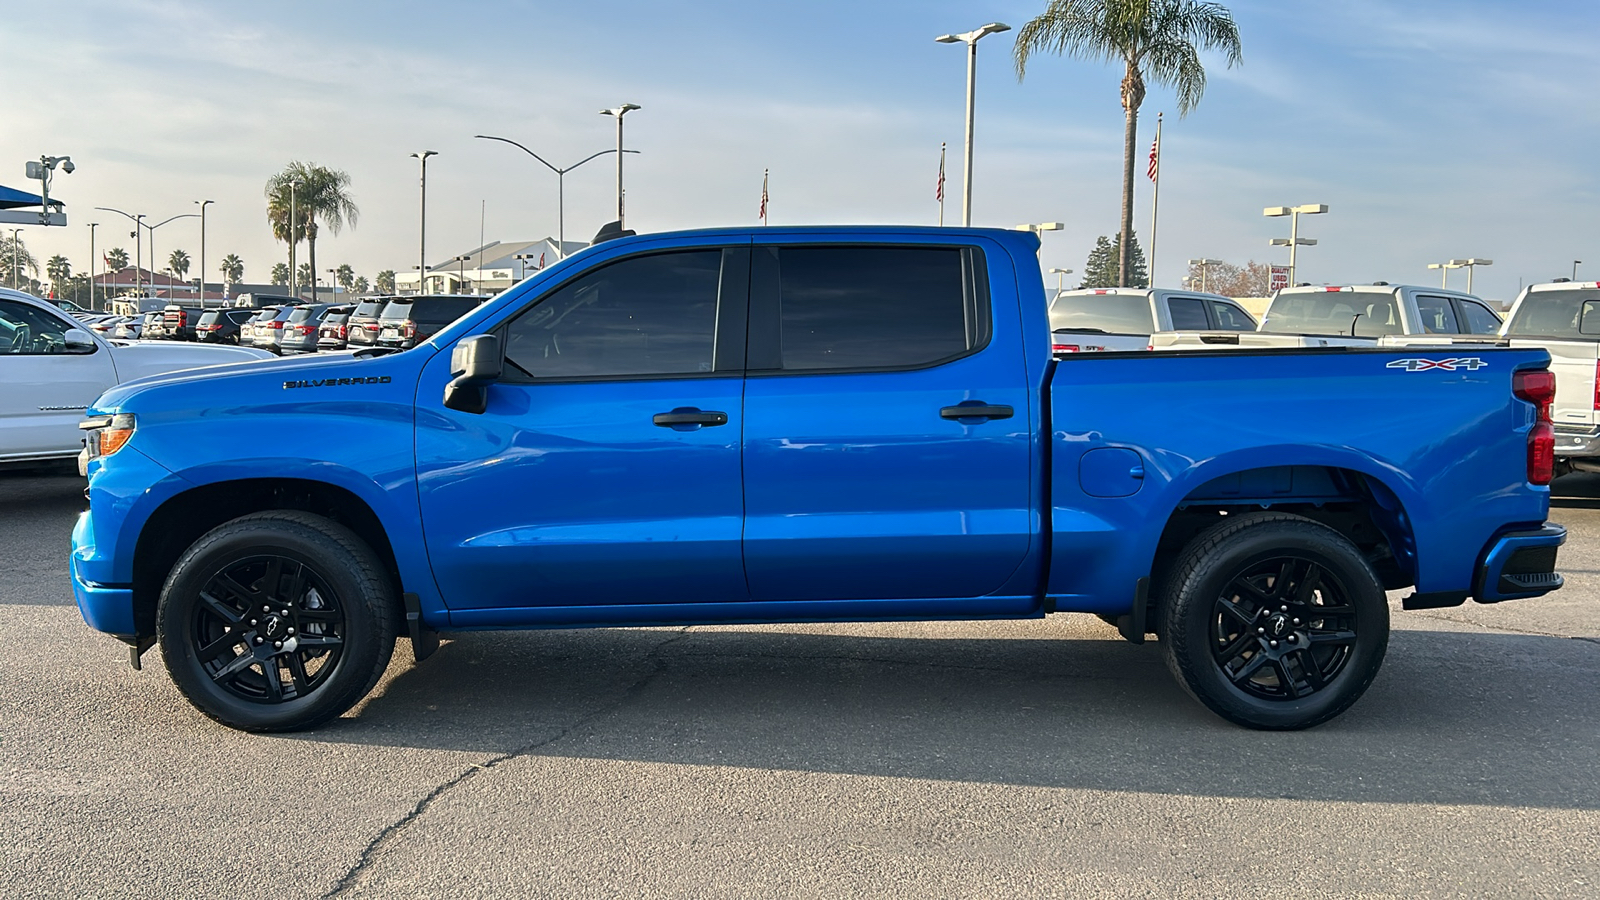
441 310
1479 319
368 308
396 311
876 307
1188 314
648 315
210 317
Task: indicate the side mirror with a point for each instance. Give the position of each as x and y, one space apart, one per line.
475 364
79 341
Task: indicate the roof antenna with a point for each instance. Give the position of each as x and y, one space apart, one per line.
611 231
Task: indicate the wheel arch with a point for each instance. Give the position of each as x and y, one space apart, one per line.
181 519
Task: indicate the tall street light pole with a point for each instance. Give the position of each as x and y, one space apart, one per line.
294 270
15 256
138 237
1058 273
92 226
619 112
561 188
152 230
1039 228
1444 270
971 39
1295 241
203 205
1575 269
422 226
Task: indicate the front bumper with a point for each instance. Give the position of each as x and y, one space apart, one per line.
1520 564
1577 441
105 607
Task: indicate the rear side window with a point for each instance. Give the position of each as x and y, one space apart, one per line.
396 311
338 318
1478 318
644 315
1437 315
853 308
368 308
1188 313
302 313
1363 313
209 317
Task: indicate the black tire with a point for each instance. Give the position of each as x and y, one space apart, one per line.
1274 621
327 617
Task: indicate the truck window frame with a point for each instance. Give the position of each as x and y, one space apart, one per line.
728 333
764 351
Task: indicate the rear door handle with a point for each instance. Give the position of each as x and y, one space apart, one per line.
976 410
688 418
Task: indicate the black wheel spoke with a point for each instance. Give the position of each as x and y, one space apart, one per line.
319 642
1235 610
271 582
1239 645
1313 671
1282 581
1245 587
297 585
1244 672
1307 588
318 615
274 681
232 669
1285 678
297 672
248 595
1332 637
219 646
221 610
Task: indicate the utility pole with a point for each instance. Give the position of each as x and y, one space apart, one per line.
619 112
422 227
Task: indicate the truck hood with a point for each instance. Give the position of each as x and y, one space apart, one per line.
141 360
260 372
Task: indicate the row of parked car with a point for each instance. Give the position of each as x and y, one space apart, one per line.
291 326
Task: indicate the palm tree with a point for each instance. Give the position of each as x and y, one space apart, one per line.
319 192
360 285
346 276
280 273
117 258
179 261
385 282
14 258
58 270
1155 39
232 268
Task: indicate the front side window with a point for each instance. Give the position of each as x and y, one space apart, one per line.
26 331
852 308
640 316
1232 318
1479 320
1437 315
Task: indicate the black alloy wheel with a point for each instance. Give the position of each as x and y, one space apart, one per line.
269 629
1274 621
277 621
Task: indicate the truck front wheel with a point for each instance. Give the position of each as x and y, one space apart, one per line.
1274 621
276 621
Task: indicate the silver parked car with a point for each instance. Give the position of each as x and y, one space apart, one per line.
247 331
299 334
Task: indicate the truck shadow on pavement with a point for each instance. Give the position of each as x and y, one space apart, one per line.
1454 718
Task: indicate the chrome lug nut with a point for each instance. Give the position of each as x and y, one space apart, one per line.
1284 607
258 640
1261 631
1291 639
1272 643
269 609
291 631
252 621
277 645
1296 621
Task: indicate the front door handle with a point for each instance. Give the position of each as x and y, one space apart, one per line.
688 418
975 409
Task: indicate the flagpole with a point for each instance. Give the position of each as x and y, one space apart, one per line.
941 184
1155 197
764 174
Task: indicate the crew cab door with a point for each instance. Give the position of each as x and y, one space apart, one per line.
44 389
605 468
862 478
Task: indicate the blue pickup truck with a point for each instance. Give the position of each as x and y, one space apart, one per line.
798 425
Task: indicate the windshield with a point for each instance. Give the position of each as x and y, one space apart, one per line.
396 311
1108 313
1555 314
302 313
266 315
1373 313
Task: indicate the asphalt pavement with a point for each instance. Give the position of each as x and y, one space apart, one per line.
966 759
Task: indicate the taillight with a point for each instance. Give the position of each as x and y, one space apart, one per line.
370 326
344 331
1597 385
275 325
1538 386
408 330
1064 348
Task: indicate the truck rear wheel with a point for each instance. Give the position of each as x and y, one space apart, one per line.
276 621
1274 621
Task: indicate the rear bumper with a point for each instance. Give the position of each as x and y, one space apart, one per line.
1577 441
1520 564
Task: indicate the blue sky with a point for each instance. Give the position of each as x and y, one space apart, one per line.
1432 129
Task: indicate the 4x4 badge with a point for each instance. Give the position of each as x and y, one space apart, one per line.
1470 363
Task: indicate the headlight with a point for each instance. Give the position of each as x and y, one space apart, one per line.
105 435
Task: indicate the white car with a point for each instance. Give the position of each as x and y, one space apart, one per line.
1355 315
1112 319
1563 317
52 368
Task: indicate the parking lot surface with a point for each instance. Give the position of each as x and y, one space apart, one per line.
965 759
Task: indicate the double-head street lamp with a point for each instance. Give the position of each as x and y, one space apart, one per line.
1575 269
461 272
138 238
1058 273
152 230
971 39
1205 264
522 264
203 204
1294 241
561 183
619 112
1468 264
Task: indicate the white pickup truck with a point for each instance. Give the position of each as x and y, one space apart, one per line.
1110 319
1563 317
52 368
1354 316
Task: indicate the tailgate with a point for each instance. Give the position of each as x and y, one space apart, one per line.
1574 364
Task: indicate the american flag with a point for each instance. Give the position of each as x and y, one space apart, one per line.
938 192
1155 157
541 259
764 195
